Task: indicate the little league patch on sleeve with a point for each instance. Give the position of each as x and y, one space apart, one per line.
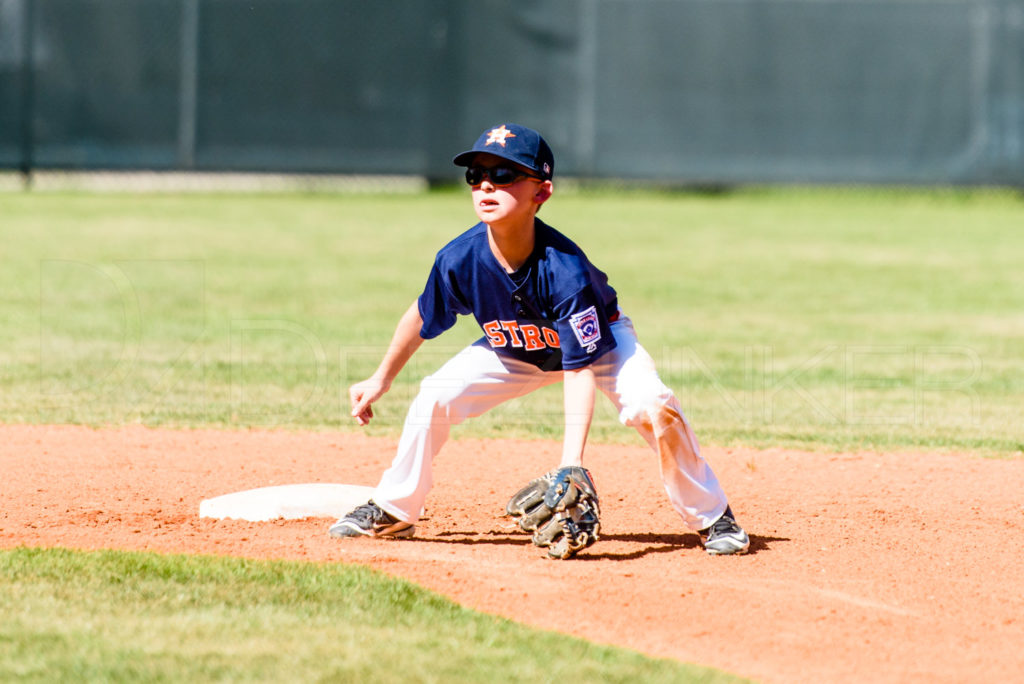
587 328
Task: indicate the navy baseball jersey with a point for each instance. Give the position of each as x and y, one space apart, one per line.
554 312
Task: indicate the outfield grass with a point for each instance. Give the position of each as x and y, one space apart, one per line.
822 319
115 616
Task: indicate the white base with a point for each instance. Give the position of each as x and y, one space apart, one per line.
318 500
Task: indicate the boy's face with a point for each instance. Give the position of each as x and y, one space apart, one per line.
497 201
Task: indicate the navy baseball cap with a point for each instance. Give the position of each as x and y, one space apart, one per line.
519 144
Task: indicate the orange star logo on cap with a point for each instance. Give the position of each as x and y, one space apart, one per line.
498 135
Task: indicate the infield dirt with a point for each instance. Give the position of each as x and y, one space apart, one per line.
864 567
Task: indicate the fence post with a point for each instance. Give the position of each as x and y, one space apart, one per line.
442 120
587 94
28 88
189 84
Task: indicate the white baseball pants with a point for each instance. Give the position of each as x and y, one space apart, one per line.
477 379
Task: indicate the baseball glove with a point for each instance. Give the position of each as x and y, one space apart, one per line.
561 509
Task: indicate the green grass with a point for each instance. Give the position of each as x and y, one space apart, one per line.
115 616
815 318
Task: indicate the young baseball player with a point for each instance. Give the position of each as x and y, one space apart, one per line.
547 315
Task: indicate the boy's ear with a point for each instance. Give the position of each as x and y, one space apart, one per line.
544 191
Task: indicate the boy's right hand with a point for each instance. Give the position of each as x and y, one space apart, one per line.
362 395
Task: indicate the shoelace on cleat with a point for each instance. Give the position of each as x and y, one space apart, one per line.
367 513
723 525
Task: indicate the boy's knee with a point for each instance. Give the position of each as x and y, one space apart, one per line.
438 400
433 395
657 410
642 399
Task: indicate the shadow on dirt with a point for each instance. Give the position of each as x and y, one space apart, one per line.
654 542
667 543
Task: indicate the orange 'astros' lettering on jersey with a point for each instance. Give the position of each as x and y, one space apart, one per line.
494 335
513 332
528 335
531 336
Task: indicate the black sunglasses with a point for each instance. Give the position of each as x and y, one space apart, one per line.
498 175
